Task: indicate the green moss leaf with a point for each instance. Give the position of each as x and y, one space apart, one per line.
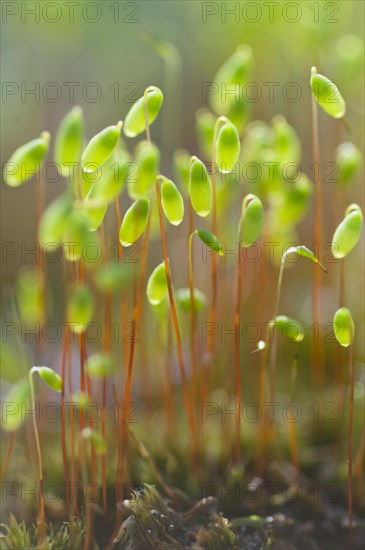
69 142
172 201
134 221
26 161
210 240
348 232
135 122
100 148
327 95
157 285
200 188
343 326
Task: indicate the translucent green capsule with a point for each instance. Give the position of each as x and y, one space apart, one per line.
172 201
134 221
287 143
96 210
210 240
302 251
348 232
290 329
200 188
26 161
204 128
157 285
76 235
296 201
252 220
183 301
239 113
115 173
147 161
348 159
343 326
135 121
53 222
327 95
69 142
80 308
100 148
182 168
228 147
30 289
100 365
50 377
19 400
113 276
233 75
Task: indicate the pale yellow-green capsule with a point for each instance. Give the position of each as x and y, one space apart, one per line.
100 148
204 128
287 143
183 300
69 142
200 188
50 377
96 210
100 365
135 121
157 285
228 147
53 221
147 161
26 161
252 220
172 201
80 308
134 221
343 326
327 95
348 159
348 232
290 329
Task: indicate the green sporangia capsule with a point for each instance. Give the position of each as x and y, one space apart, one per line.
184 303
30 287
172 201
100 148
135 121
348 232
112 277
134 221
53 221
115 173
96 210
80 308
157 285
147 160
200 188
252 220
327 95
343 326
228 147
296 201
348 159
233 75
77 235
100 365
50 377
26 161
95 438
210 240
69 142
286 142
290 329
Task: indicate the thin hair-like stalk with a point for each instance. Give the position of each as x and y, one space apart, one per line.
349 449
194 380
